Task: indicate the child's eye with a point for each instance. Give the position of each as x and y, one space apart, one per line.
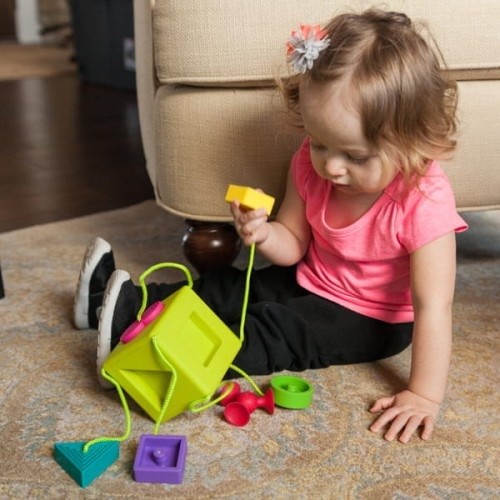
357 161
317 147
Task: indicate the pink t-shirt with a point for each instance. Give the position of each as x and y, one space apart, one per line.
365 266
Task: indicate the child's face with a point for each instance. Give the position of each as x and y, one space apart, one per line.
339 151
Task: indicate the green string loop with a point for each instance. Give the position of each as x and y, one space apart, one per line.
248 379
171 387
246 294
126 411
206 403
152 269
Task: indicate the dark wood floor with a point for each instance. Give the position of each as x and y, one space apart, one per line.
67 149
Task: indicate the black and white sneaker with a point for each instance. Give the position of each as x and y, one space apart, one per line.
120 305
97 267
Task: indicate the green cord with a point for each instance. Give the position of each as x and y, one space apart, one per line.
126 410
171 387
125 406
248 379
151 270
205 403
251 259
185 270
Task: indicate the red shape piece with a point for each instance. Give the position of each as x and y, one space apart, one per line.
266 402
232 395
237 414
249 400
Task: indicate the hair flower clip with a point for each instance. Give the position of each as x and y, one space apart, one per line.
305 45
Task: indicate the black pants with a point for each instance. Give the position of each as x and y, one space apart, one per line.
287 327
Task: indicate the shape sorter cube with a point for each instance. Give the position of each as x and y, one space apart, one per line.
249 198
195 342
160 459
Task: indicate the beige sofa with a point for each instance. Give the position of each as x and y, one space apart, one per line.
211 116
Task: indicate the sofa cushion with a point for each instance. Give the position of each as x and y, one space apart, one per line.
207 138
223 42
473 170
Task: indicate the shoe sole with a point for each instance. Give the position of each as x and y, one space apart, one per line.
94 253
106 320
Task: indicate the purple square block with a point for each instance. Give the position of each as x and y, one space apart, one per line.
160 459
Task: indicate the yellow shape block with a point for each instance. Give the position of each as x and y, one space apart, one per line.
249 198
195 342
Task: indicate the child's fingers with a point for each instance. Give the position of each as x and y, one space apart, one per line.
404 425
248 218
248 223
255 235
397 424
258 213
428 428
411 426
384 419
403 414
382 404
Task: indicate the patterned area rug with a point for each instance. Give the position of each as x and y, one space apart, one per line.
34 61
49 393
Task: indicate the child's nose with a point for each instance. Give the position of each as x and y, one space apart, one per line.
335 166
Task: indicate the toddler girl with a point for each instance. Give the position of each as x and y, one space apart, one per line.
362 249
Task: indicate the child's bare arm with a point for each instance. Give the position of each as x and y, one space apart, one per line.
433 280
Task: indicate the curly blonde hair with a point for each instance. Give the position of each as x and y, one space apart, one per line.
406 102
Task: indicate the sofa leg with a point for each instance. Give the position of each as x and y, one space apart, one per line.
209 245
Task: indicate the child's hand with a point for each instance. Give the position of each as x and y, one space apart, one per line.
251 225
405 412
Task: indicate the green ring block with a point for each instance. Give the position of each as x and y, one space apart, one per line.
291 392
85 467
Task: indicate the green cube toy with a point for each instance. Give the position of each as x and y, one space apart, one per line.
198 346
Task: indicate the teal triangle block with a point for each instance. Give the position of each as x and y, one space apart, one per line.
85 467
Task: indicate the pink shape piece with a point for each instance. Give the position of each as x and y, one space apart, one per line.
152 312
132 331
149 315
